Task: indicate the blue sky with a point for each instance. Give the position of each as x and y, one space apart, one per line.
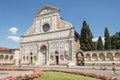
16 16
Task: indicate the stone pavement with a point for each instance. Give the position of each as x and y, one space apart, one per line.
97 69
4 74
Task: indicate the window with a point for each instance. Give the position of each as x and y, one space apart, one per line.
46 27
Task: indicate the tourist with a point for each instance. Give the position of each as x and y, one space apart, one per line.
93 65
67 65
114 69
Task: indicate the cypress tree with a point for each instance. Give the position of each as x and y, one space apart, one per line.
100 44
86 37
107 45
95 45
115 41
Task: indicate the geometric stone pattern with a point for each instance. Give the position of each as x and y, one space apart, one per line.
50 47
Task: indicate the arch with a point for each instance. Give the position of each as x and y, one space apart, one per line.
66 57
80 58
87 56
102 56
27 58
109 56
61 57
24 58
35 58
56 58
43 50
1 56
56 53
31 58
6 57
117 55
31 53
94 57
11 57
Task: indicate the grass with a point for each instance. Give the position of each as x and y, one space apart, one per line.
63 76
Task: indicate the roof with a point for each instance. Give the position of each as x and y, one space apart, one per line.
50 9
4 49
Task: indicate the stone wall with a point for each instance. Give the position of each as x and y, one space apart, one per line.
102 57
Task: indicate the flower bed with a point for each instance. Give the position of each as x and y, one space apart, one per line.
98 76
36 73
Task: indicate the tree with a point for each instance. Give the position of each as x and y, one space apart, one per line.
107 45
115 41
100 44
86 37
95 45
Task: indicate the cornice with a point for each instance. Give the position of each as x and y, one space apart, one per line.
48 32
48 40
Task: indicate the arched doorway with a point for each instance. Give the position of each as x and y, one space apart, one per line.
117 56
109 56
31 58
87 56
94 57
102 56
56 57
44 54
80 58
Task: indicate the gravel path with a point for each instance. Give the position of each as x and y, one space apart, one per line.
4 74
108 70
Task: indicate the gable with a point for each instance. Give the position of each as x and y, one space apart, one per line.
46 10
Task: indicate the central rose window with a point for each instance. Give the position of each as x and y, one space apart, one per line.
46 27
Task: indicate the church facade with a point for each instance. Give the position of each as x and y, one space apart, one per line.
50 40
54 41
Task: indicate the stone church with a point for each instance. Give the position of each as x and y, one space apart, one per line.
50 40
54 41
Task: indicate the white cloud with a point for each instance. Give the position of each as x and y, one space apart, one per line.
13 30
14 38
95 39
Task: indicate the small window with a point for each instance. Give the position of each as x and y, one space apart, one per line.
46 27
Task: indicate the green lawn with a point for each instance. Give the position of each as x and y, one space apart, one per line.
63 76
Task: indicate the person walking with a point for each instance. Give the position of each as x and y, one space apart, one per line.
114 69
93 65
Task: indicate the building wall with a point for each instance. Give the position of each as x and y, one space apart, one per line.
59 45
102 57
57 42
9 57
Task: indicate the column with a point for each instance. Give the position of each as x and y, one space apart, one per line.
71 52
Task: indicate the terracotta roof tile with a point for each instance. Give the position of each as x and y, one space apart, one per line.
4 49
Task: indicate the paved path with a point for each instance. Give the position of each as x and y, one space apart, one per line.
4 74
107 71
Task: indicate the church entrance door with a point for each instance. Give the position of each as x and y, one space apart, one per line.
44 54
43 58
31 60
56 58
